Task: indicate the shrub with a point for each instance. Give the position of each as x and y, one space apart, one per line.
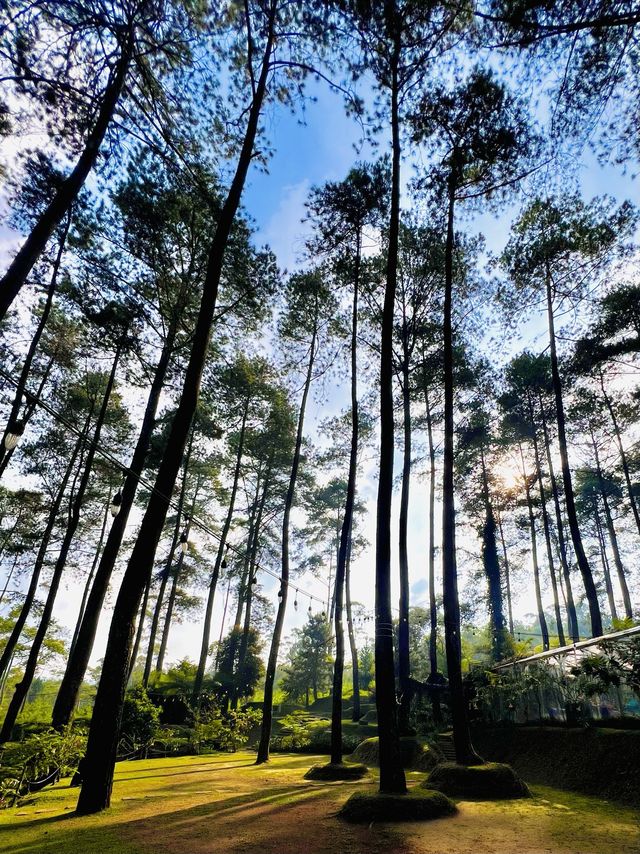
140 719
45 751
300 734
38 756
224 730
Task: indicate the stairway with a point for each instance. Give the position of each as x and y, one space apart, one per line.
445 745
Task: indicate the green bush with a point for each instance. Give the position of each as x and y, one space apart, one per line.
297 731
36 757
140 719
45 751
219 730
300 733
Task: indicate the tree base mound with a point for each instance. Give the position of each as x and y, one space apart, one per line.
414 754
491 781
417 805
339 771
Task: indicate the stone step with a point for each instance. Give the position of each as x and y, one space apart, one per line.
445 744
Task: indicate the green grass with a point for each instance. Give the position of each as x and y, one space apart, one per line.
223 803
142 789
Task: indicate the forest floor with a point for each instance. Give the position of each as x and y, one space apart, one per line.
223 804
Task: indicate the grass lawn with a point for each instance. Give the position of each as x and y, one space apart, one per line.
223 804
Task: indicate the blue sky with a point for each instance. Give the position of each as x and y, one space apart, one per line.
324 149
320 149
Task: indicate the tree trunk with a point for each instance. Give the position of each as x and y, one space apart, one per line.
623 456
465 754
166 572
392 778
605 565
330 587
7 580
267 705
492 570
244 640
21 386
562 546
433 606
244 583
174 582
345 542
613 537
16 632
224 616
206 630
544 630
100 758
22 688
68 191
404 661
507 574
79 657
140 629
572 516
546 527
164 640
242 650
92 570
32 401
356 712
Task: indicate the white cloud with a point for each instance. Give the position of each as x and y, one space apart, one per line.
284 231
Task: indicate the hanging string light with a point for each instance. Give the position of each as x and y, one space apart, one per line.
184 542
15 429
116 504
295 601
224 563
280 594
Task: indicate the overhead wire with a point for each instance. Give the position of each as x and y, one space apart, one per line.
171 502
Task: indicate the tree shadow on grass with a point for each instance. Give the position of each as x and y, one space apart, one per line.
96 835
179 772
133 763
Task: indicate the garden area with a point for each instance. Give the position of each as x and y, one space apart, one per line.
225 804
319 427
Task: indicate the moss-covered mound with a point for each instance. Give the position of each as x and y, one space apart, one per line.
487 782
417 805
416 754
340 771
